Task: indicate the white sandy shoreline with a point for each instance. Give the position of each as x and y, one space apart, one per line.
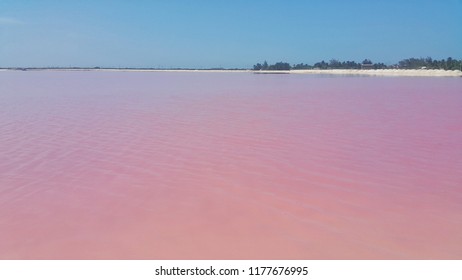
345 72
385 72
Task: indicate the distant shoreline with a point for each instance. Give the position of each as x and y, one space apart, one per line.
344 72
385 72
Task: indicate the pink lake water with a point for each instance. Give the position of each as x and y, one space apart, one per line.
124 165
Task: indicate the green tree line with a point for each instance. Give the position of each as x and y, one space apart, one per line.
429 63
409 63
277 66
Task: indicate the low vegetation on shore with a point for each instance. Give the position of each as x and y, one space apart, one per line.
333 65
409 63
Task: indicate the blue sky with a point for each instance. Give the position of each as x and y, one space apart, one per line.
219 33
